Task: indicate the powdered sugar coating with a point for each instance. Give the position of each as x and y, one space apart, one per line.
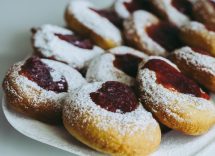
36 94
50 45
156 94
120 8
173 15
102 68
100 25
203 63
197 28
137 25
125 124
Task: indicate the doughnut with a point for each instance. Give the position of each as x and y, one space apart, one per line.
196 64
36 87
124 8
204 11
87 20
120 64
147 33
108 118
57 43
197 35
177 12
174 99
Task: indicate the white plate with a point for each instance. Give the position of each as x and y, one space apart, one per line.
173 143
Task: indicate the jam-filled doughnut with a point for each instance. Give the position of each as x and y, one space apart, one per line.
63 45
84 18
108 118
37 86
198 35
204 11
124 8
176 12
196 64
147 33
174 99
121 64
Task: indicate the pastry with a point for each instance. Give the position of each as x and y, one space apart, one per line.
36 87
108 117
174 99
84 18
120 64
196 64
197 35
177 12
147 33
204 11
124 8
61 44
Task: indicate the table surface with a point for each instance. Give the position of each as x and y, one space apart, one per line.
16 19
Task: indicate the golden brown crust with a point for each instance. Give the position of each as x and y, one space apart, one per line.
183 112
196 35
20 102
77 26
111 142
204 12
200 75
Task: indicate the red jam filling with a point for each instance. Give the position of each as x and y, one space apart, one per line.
201 51
174 80
210 27
115 97
135 5
184 6
165 35
76 41
111 16
35 70
127 63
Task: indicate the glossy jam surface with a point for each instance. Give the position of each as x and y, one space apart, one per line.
127 63
201 51
76 41
184 6
111 16
165 35
174 80
115 97
35 70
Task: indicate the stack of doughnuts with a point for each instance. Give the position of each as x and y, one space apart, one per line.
117 77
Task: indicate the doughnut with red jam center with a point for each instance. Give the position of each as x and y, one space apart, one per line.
83 17
60 44
146 32
120 64
196 64
36 87
204 11
124 8
195 34
106 116
174 99
177 12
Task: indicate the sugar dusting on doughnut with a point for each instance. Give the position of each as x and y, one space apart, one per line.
161 95
205 63
50 41
137 24
111 66
73 78
125 123
81 11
